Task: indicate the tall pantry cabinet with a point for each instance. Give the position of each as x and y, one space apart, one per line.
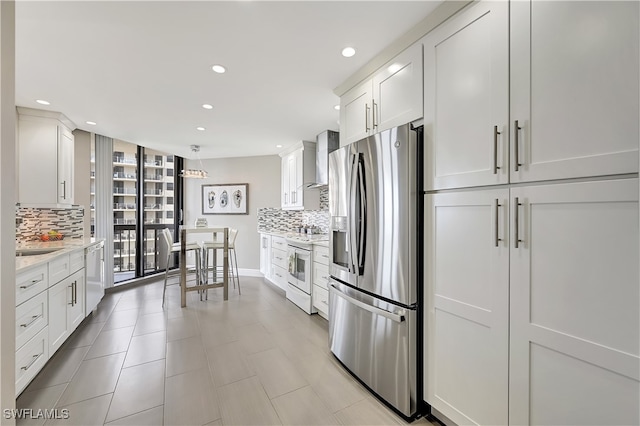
531 133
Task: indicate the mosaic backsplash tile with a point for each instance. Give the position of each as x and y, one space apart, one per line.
273 219
38 221
324 198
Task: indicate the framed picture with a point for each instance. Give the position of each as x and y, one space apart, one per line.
230 198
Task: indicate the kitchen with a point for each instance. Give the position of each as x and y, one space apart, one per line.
507 200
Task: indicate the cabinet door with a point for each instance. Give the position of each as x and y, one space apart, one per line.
76 308
574 339
574 88
285 182
467 316
297 179
356 120
466 98
59 299
65 165
265 255
397 90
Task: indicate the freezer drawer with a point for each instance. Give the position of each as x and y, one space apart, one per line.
377 342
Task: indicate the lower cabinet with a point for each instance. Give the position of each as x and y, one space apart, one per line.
265 255
66 308
279 261
30 358
533 304
321 280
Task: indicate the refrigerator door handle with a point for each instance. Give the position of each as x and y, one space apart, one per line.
353 177
362 221
396 317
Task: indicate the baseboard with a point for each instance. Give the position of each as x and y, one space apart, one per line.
249 272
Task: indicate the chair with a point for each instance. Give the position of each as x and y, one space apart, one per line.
175 248
216 245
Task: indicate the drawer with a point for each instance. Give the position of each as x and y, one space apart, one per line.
321 275
321 299
76 261
279 277
31 317
321 254
31 282
59 268
279 243
279 258
31 358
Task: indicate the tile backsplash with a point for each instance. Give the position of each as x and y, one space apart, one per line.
38 221
274 219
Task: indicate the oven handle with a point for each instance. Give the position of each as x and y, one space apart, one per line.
400 317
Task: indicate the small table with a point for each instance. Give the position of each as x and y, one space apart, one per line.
200 283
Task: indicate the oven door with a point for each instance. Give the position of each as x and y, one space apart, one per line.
300 269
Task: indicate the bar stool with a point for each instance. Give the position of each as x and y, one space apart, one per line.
175 248
219 245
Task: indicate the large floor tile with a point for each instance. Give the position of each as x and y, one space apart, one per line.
190 399
303 407
246 403
228 364
84 335
335 389
150 324
182 328
119 319
110 342
89 412
255 338
139 388
216 333
185 355
367 412
152 417
40 399
60 368
146 348
94 377
277 374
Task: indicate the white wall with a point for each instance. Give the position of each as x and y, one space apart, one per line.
263 176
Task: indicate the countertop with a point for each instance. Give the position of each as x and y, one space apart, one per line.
299 237
64 246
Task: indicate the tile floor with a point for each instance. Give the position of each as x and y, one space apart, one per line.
255 359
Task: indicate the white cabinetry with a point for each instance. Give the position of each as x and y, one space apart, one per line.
320 295
45 158
265 255
279 261
573 103
393 96
299 170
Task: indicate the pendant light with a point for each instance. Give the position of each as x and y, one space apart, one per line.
195 173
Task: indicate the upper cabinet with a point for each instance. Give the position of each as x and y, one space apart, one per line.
392 97
45 158
298 171
554 123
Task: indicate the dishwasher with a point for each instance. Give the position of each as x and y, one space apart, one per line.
94 256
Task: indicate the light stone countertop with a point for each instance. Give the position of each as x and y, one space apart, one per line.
303 238
62 247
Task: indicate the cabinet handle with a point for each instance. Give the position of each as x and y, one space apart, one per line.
366 118
33 319
71 287
516 222
33 282
35 358
497 223
516 145
75 293
375 113
495 150
325 302
64 189
285 198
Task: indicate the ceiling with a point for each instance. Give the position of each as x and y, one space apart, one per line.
142 70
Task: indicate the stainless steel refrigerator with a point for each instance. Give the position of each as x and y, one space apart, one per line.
375 202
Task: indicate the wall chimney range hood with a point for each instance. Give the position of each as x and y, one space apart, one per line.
326 142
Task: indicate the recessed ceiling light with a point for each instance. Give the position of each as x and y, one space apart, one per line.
218 68
348 52
93 123
200 128
207 106
41 102
336 107
278 146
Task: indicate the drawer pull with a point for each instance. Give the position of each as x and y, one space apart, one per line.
33 282
33 319
325 302
35 358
